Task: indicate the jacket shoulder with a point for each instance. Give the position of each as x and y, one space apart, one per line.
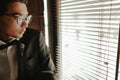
29 34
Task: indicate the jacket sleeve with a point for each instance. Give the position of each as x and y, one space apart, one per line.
46 65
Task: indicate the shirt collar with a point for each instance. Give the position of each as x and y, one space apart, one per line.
2 42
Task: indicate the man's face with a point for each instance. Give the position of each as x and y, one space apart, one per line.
9 26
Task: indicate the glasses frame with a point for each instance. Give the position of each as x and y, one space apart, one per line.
20 19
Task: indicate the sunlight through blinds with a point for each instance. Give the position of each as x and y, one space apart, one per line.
88 38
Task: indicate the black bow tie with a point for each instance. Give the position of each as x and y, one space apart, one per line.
9 44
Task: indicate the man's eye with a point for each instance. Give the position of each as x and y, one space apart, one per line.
16 16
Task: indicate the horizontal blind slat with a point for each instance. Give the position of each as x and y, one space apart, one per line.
88 38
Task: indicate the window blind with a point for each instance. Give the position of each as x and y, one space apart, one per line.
88 33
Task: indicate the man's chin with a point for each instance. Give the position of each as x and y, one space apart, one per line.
19 36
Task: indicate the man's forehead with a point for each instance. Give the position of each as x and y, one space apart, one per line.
18 8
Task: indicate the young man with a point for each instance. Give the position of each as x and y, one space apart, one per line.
23 53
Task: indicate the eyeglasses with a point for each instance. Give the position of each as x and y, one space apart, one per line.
20 19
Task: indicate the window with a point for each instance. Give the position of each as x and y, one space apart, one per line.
88 33
46 22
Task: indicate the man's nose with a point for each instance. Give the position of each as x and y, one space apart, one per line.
24 24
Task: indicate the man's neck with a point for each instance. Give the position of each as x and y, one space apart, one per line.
5 38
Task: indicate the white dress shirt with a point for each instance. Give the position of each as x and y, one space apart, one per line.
8 63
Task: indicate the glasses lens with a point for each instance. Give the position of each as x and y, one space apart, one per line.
21 19
28 19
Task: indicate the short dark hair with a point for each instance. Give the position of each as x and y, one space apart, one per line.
4 5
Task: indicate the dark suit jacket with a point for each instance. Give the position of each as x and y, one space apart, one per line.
34 60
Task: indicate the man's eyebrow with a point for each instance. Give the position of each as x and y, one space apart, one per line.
19 14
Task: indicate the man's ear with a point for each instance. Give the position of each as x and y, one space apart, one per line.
0 20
